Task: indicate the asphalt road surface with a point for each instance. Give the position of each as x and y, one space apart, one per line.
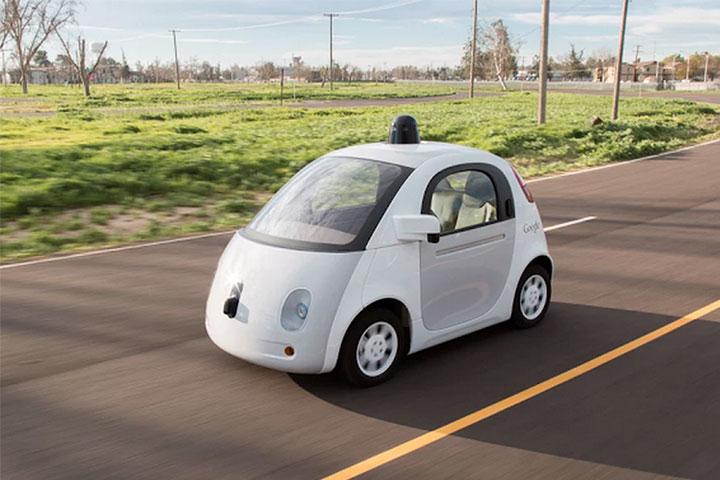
107 371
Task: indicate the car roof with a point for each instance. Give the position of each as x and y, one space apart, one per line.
412 155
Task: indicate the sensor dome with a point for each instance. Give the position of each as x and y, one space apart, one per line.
404 130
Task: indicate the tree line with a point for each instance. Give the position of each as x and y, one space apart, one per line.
497 59
26 25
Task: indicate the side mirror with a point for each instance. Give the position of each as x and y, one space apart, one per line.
411 228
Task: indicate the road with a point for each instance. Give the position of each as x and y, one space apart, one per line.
107 372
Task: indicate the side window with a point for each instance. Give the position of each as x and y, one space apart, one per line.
464 199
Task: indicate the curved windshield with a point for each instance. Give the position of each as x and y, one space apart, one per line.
332 201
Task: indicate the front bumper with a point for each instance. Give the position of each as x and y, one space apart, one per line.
262 277
265 347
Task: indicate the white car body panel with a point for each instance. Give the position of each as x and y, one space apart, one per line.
268 274
342 284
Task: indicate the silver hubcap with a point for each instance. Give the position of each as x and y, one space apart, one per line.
377 349
533 297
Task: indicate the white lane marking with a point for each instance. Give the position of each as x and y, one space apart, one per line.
196 237
620 164
568 224
183 239
116 249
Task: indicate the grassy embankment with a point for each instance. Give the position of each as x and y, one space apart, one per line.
83 177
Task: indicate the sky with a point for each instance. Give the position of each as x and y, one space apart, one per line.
386 33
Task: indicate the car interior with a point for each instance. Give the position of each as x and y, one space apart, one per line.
475 203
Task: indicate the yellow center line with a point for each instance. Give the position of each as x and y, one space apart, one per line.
509 402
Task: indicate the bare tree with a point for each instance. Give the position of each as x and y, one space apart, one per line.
495 41
3 32
78 59
495 57
29 23
266 71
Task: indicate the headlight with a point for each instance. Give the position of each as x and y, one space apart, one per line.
295 310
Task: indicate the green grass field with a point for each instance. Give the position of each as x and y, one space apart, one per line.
81 176
113 98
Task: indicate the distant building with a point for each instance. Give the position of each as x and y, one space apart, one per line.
647 72
314 76
652 71
607 73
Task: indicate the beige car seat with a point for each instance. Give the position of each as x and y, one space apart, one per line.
445 204
478 204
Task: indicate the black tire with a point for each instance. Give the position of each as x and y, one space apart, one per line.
519 319
347 362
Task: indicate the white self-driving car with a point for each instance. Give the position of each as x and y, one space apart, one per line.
377 251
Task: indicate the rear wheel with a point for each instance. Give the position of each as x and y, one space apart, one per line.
372 349
532 297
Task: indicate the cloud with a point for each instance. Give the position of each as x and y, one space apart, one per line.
360 19
340 40
182 39
638 23
561 19
102 29
310 18
212 40
380 8
593 38
438 21
391 57
142 37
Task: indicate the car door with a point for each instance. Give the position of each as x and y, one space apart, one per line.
465 267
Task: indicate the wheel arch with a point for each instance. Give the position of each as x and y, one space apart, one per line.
545 262
394 305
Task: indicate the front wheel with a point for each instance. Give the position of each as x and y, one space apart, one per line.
372 349
532 297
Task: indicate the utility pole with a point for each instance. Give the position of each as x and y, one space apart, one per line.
687 69
122 68
636 63
4 71
282 84
542 73
473 52
673 67
707 59
657 64
177 64
330 72
618 62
